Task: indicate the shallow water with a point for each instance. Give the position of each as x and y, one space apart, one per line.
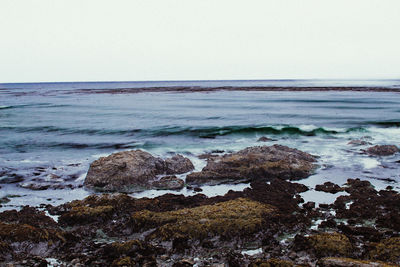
52 139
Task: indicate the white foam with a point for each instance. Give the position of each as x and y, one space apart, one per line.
252 252
369 163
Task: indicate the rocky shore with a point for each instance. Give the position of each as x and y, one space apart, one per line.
266 224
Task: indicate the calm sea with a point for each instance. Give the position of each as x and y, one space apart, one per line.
50 133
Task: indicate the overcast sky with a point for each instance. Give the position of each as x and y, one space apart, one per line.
96 40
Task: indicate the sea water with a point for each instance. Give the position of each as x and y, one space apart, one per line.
50 133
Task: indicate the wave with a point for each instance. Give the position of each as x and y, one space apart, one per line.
201 132
212 132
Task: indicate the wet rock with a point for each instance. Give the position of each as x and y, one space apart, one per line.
388 250
35 185
184 263
28 215
169 182
382 150
178 164
231 218
272 263
85 214
10 178
365 204
309 205
329 187
130 171
358 142
197 189
28 233
4 200
264 139
255 163
325 244
348 262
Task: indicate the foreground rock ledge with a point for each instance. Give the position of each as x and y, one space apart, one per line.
256 163
136 170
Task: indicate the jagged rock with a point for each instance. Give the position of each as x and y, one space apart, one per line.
178 164
382 150
255 163
134 170
169 182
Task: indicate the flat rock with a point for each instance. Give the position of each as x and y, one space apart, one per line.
255 163
134 170
329 187
382 150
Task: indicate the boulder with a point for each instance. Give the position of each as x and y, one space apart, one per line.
382 150
130 171
178 164
255 163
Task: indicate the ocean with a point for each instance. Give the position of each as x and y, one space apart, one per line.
51 132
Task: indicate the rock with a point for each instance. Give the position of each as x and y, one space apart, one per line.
169 182
347 262
387 250
325 244
272 263
382 150
264 139
131 171
178 164
309 205
255 163
358 142
197 189
230 219
35 185
329 187
4 200
11 178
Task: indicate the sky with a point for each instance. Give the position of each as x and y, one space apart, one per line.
139 40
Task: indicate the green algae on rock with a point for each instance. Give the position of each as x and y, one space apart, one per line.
348 262
388 250
231 218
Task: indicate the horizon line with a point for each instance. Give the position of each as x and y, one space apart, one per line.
212 80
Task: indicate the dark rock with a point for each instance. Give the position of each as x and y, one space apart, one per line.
178 165
169 182
329 188
255 163
35 185
264 139
197 189
382 150
347 262
11 178
309 205
134 170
